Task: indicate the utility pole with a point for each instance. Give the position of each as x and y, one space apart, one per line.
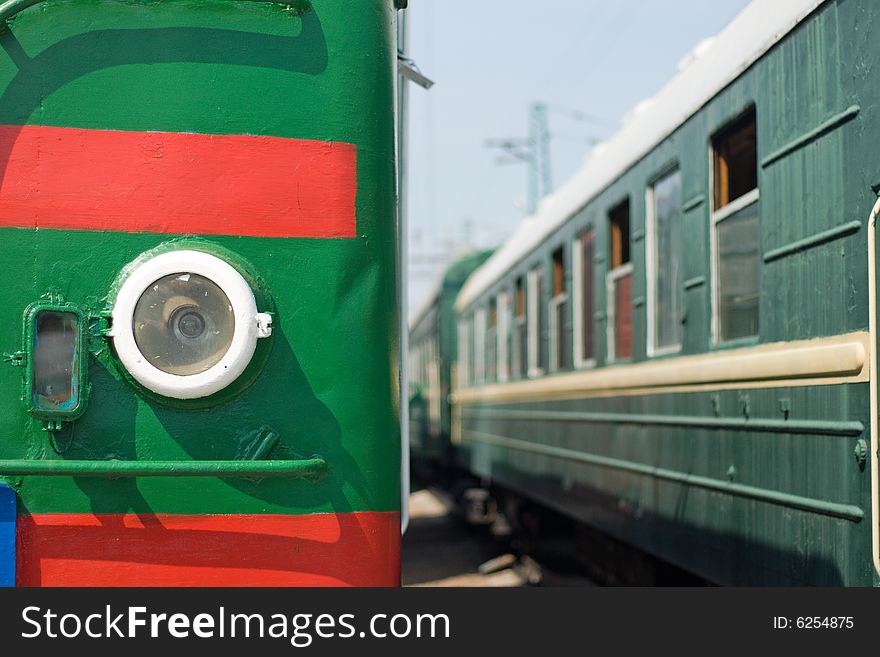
539 138
535 150
407 72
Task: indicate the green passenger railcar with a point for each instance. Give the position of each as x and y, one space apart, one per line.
432 353
678 348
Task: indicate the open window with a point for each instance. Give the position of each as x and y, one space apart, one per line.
619 283
559 352
582 285
664 264
736 242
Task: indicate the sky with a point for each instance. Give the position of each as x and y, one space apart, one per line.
490 61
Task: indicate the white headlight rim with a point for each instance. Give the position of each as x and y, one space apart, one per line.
249 324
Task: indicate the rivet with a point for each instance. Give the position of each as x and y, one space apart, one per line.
860 451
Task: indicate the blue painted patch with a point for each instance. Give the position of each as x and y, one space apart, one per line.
7 536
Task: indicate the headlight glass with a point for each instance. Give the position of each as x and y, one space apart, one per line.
183 324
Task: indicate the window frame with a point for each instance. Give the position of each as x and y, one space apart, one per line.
651 265
433 382
520 326
577 306
533 311
555 331
611 279
480 332
490 373
612 276
503 335
463 365
716 217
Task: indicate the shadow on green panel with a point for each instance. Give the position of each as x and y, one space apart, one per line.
77 56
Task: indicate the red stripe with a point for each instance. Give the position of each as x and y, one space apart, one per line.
347 549
167 182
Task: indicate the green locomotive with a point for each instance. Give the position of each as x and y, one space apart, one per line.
199 317
679 348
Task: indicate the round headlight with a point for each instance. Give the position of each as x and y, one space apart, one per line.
185 323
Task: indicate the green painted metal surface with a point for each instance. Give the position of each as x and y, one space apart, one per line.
740 486
327 382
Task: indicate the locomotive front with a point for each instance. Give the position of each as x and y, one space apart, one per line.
199 304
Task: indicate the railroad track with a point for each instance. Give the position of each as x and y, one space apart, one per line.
441 549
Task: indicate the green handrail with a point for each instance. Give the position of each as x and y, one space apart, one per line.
311 467
10 8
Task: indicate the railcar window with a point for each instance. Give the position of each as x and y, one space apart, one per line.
519 355
433 382
559 352
417 367
735 160
736 231
503 336
582 266
480 346
492 341
618 219
464 353
619 284
535 323
664 264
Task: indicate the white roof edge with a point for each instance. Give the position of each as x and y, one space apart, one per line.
709 69
437 287
426 304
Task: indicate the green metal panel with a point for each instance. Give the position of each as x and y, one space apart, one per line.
757 500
